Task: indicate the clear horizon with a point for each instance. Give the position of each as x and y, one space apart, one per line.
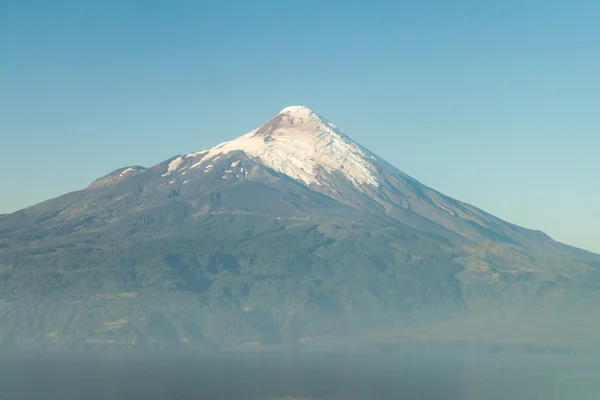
494 105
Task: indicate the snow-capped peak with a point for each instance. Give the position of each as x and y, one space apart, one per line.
303 146
295 110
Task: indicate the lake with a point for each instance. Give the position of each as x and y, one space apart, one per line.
264 376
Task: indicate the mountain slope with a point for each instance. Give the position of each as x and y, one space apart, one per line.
290 232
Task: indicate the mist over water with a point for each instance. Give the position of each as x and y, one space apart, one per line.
279 376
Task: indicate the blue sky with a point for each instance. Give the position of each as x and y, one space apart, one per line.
493 103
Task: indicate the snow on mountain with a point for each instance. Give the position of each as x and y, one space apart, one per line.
301 145
173 165
116 176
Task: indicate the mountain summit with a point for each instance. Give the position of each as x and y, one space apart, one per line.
302 145
289 233
308 149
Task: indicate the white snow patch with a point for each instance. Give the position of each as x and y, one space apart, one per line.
235 163
128 171
296 110
171 182
196 165
173 165
196 154
211 155
208 168
184 182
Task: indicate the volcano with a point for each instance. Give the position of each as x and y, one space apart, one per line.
290 234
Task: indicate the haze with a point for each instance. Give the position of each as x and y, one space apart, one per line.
280 376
